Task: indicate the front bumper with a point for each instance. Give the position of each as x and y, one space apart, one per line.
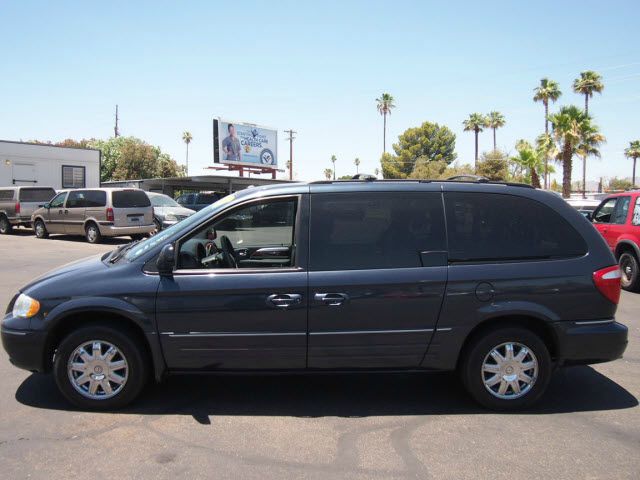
111 231
26 348
587 342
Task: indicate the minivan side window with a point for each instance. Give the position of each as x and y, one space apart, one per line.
76 199
365 231
604 211
96 198
622 209
497 227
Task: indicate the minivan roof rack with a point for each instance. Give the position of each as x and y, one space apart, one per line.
481 180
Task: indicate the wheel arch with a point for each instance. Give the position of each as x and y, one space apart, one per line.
627 245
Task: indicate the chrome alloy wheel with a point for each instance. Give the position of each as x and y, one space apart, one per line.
509 370
97 370
92 233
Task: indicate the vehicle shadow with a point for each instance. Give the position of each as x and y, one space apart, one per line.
27 232
574 389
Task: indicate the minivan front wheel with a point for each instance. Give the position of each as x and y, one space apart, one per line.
92 233
40 229
630 272
507 368
99 367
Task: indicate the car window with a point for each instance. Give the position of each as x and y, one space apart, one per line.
58 200
604 211
495 227
6 194
636 212
129 199
95 198
76 199
260 235
163 201
622 209
207 197
36 194
356 231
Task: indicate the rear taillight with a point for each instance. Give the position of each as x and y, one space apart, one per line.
109 214
607 280
17 207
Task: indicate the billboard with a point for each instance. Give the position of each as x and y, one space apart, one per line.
244 144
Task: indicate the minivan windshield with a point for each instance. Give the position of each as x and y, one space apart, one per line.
130 199
163 201
181 227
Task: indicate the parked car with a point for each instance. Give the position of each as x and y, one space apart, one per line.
617 218
96 213
166 211
197 201
583 204
18 203
339 276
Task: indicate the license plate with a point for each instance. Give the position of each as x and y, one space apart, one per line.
134 219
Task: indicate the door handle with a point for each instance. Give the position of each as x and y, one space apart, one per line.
59 211
284 300
332 299
66 211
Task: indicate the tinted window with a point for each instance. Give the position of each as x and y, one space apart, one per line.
76 199
130 199
36 194
370 231
95 198
207 197
604 211
58 200
6 194
621 211
506 227
73 177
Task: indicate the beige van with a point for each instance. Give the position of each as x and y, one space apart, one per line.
96 213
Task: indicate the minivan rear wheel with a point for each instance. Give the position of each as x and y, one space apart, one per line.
98 367
5 226
506 368
92 233
630 275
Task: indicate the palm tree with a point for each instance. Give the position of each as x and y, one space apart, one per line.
633 151
548 90
569 127
588 146
356 162
475 123
187 137
377 171
589 83
333 160
385 105
495 120
327 173
530 160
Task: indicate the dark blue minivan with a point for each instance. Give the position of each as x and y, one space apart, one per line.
500 282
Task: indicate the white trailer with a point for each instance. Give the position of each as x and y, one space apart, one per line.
38 165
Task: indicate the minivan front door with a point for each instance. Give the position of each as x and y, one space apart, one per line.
238 298
74 212
377 277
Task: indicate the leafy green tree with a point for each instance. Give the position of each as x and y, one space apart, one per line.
430 141
617 184
493 165
385 104
476 123
333 161
633 151
570 125
589 147
428 169
530 161
548 90
495 120
590 82
328 173
186 138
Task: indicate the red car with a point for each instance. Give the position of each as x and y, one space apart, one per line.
617 218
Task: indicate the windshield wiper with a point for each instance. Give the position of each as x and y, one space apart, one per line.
121 250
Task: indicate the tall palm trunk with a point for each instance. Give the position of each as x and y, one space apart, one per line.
384 134
567 155
586 104
584 176
476 158
546 156
494 139
535 179
187 160
633 178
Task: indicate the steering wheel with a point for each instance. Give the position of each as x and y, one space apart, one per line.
228 253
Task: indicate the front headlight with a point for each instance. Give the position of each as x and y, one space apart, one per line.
170 217
25 306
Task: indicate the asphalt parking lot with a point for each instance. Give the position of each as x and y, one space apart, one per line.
385 426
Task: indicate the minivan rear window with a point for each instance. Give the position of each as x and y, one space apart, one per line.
36 194
130 199
498 227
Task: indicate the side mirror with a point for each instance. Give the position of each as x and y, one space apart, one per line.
166 260
47 205
589 216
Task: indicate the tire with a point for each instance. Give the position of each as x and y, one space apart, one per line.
5 227
128 381
137 237
478 356
92 233
158 225
40 229
630 272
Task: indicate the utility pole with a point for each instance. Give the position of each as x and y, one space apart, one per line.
291 138
116 132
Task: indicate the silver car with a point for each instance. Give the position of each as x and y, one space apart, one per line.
166 211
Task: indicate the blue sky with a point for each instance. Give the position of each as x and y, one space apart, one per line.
316 67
